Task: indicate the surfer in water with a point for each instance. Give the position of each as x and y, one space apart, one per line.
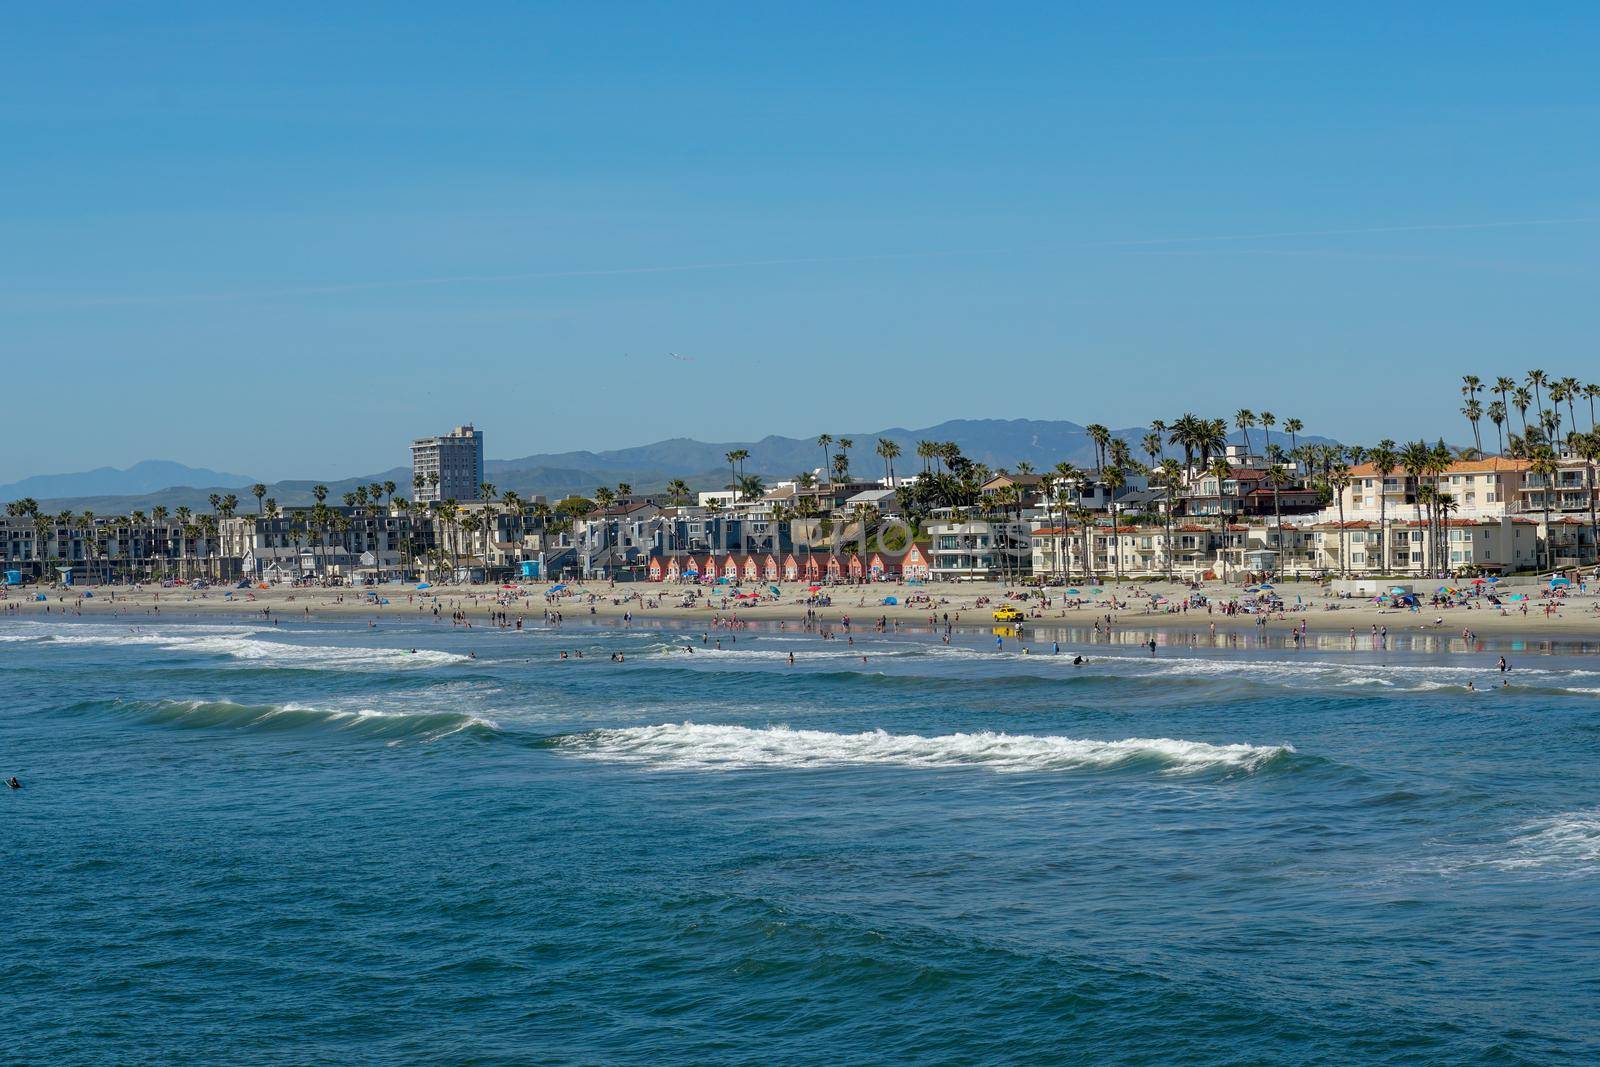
13 783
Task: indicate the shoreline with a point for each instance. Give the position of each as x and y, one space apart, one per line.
1574 629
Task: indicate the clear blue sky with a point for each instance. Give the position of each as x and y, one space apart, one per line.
283 242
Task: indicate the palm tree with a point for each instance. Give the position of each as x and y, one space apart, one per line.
1277 477
1268 421
1522 398
1588 449
1114 478
1497 415
1543 464
388 491
1101 438
258 491
1293 427
1591 391
678 492
1339 481
750 487
733 473
825 442
605 496
927 450
1243 419
1474 411
1170 477
845 445
1151 446
1384 460
1084 517
1536 378
889 451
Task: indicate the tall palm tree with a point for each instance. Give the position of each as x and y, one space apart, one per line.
1384 459
258 491
1268 421
1535 379
1474 411
1152 446
388 491
1243 419
926 450
1277 477
1588 449
1522 398
1543 464
1590 392
1293 427
678 492
889 451
1101 438
1497 415
1114 478
1170 477
845 445
1339 481
732 458
825 442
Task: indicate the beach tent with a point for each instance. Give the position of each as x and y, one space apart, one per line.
40 596
891 600
557 587
1557 583
424 585
1072 592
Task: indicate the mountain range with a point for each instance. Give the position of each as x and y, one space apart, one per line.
647 468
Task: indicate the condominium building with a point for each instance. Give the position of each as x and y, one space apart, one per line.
448 467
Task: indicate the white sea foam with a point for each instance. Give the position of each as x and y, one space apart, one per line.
1568 843
242 643
706 747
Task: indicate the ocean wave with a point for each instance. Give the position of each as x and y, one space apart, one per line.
244 644
393 726
1568 843
707 747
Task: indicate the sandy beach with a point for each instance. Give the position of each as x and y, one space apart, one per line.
969 606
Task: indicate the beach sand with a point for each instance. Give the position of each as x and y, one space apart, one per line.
965 605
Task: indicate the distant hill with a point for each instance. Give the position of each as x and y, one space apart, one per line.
647 468
147 477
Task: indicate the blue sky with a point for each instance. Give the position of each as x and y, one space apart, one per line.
283 242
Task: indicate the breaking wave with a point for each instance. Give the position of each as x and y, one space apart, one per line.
704 747
242 644
391 726
1569 842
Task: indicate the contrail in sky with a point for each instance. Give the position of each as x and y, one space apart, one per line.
1129 243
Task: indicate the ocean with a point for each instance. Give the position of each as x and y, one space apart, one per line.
328 843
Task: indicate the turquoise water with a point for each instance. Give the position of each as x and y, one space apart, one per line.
239 843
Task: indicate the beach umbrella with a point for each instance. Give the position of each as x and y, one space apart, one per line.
814 588
1477 581
1493 580
1556 583
775 590
1265 586
424 585
1096 592
1518 596
557 588
891 600
1397 591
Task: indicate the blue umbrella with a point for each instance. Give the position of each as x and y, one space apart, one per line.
424 585
891 600
557 588
1073 592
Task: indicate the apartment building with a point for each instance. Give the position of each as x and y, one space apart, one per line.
447 467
